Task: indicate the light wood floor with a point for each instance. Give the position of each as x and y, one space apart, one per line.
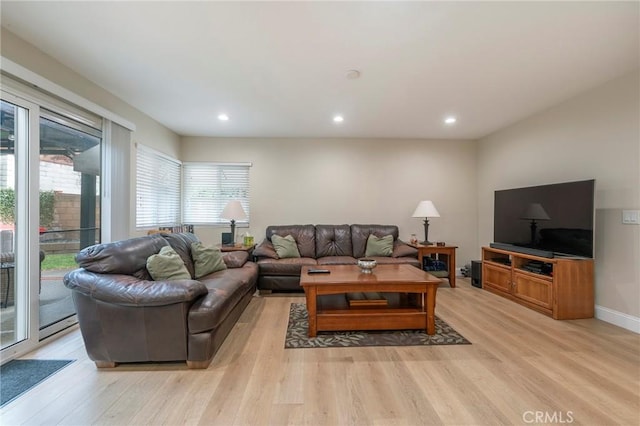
521 364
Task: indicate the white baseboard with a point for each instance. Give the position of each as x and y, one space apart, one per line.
620 319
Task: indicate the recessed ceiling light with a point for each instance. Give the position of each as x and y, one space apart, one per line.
338 119
223 117
450 120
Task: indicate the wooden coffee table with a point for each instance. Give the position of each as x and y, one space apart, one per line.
411 295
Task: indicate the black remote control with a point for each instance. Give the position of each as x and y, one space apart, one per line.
319 271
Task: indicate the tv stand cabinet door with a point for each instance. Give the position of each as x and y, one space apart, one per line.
538 291
497 278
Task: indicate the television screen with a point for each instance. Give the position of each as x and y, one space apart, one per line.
557 218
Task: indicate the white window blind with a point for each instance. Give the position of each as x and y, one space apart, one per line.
208 187
157 188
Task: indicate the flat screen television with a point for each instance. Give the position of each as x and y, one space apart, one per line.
546 220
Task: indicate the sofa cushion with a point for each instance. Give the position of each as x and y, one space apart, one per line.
265 249
206 259
235 259
384 260
379 246
360 234
337 260
286 247
127 257
167 266
401 249
226 289
333 240
305 236
291 266
181 243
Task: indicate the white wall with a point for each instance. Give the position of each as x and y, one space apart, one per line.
148 131
595 135
338 181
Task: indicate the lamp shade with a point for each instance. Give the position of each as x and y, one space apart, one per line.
233 211
535 211
426 209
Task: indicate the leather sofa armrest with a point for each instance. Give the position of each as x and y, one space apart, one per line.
402 249
235 259
265 249
127 290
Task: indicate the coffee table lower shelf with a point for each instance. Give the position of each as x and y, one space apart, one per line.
371 319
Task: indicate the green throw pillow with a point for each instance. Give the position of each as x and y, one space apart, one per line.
285 246
206 259
167 266
379 246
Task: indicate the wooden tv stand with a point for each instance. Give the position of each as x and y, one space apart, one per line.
563 289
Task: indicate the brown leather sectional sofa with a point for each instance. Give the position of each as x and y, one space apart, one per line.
322 245
125 316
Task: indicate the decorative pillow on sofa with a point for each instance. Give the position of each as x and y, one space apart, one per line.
167 266
265 249
401 249
206 260
379 246
285 246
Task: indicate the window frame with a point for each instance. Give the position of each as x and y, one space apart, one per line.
160 212
211 175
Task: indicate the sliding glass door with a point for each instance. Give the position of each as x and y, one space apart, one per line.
18 273
54 199
50 190
70 158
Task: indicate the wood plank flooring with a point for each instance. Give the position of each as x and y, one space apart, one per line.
520 365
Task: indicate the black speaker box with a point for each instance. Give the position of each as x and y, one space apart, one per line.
476 273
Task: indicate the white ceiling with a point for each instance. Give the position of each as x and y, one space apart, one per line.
278 68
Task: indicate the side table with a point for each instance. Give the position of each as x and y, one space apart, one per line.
237 247
449 252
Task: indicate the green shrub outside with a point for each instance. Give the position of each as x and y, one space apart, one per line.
8 206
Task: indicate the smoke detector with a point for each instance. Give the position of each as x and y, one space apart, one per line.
352 74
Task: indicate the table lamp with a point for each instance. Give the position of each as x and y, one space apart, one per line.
426 209
233 211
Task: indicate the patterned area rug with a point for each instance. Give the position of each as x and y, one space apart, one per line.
297 335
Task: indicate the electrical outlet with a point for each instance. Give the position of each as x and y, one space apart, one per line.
631 217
